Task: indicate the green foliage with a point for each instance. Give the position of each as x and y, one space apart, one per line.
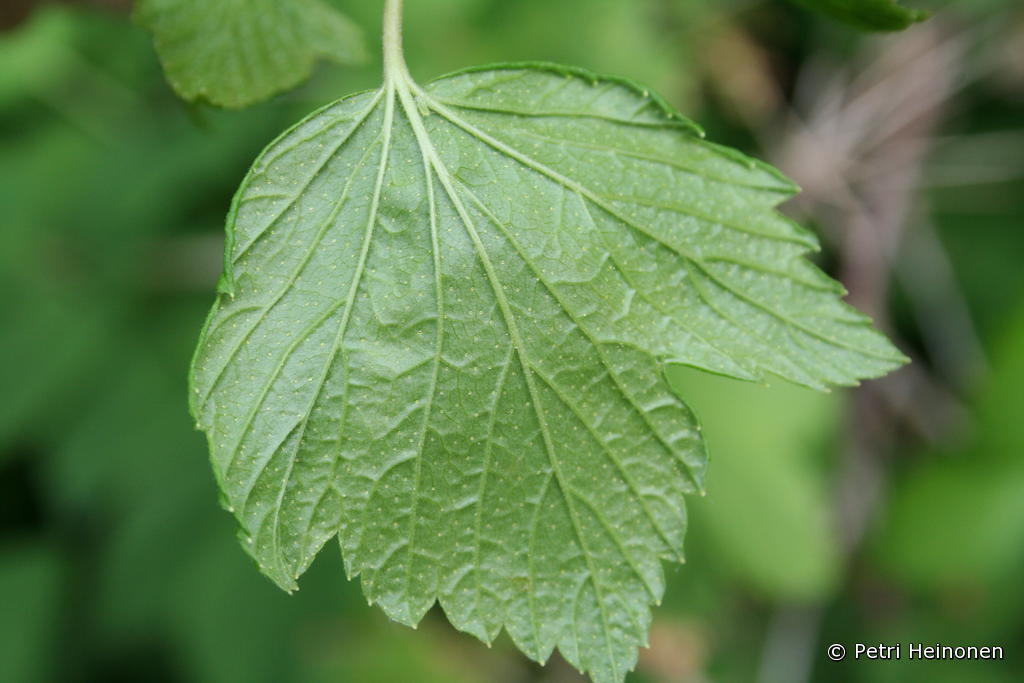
114 554
440 336
984 476
29 582
767 510
233 53
37 52
868 15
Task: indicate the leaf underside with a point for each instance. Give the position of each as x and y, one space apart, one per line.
868 15
233 53
441 335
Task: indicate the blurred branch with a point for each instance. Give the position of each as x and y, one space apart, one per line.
859 149
789 645
859 152
14 12
939 307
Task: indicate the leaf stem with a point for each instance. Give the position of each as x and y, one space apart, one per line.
394 62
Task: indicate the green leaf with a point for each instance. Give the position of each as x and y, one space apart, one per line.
233 53
868 15
441 334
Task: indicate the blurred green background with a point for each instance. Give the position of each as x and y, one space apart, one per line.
890 513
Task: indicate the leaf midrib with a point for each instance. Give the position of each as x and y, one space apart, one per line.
511 325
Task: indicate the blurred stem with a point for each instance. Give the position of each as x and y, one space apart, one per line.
789 655
861 146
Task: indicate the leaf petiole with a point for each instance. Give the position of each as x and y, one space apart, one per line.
395 69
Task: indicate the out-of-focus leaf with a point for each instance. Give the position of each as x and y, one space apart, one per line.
230 627
30 596
36 371
767 510
868 15
138 404
233 53
377 652
960 517
32 56
956 520
232 624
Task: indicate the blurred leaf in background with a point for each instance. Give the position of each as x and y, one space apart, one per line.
767 513
232 53
868 15
30 581
958 517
